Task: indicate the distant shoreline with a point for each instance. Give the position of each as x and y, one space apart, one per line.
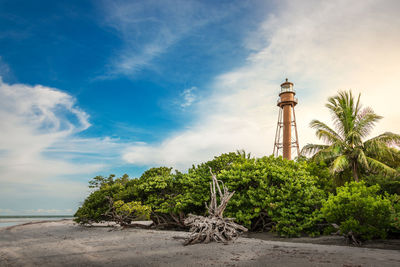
10 221
32 222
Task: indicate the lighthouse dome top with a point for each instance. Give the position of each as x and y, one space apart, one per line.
287 87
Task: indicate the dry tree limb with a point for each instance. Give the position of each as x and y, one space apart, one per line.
214 227
350 237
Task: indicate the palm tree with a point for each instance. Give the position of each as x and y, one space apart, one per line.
345 149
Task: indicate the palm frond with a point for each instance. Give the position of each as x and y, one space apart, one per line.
358 105
327 137
339 164
328 154
376 165
380 149
324 132
311 149
388 138
362 159
377 148
343 110
365 121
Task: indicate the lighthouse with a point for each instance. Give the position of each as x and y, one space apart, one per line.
286 136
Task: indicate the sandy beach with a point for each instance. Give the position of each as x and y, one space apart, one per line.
64 243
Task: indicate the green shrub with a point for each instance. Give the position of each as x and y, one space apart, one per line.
194 187
321 172
359 209
282 189
395 214
96 204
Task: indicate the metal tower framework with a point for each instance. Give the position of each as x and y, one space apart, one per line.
278 146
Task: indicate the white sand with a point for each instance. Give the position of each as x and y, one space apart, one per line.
64 243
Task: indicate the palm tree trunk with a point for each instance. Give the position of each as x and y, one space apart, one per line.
355 171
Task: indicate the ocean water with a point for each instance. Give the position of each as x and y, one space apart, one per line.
6 221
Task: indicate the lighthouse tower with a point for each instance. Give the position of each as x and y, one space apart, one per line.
284 141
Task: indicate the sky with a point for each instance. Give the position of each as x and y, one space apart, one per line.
98 87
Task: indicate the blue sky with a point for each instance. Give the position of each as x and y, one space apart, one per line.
100 87
125 69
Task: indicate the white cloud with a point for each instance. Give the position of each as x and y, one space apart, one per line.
33 118
188 96
40 154
322 47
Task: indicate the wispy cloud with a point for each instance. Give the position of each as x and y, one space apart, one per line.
149 28
188 96
321 46
5 70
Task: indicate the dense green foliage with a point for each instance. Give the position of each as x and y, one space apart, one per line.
166 193
281 190
271 193
359 209
288 197
395 214
388 183
133 210
346 151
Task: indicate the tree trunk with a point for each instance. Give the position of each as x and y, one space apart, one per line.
355 171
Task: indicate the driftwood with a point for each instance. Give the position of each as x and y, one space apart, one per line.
350 237
214 227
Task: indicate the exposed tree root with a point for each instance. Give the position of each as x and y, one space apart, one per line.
207 229
214 227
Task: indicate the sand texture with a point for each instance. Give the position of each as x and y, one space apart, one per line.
64 243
